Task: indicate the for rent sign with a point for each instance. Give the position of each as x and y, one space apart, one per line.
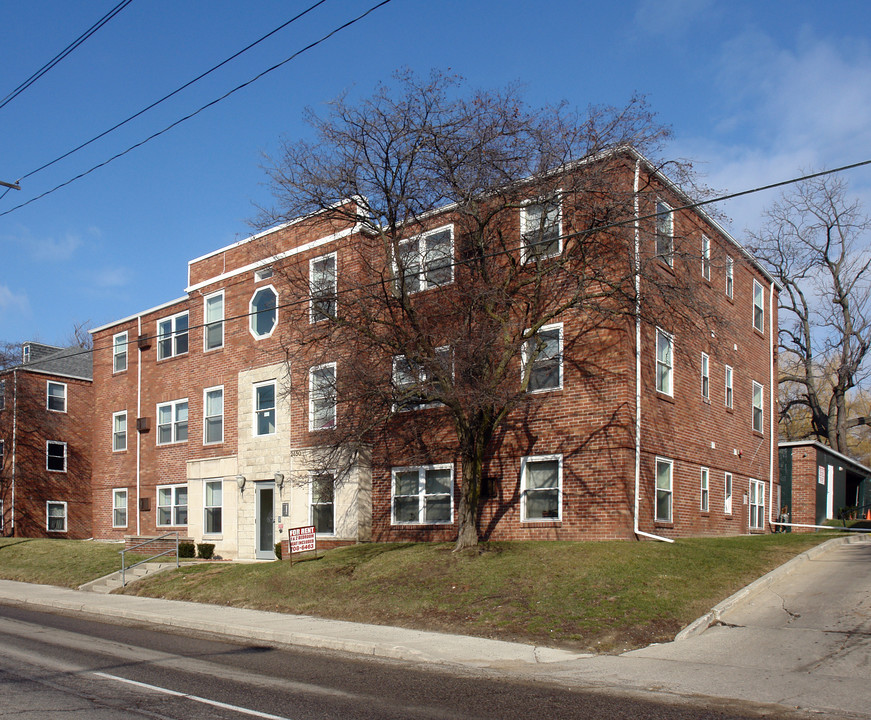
301 539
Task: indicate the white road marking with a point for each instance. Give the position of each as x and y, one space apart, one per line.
195 698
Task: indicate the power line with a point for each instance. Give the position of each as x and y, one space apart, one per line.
236 89
63 53
173 93
591 231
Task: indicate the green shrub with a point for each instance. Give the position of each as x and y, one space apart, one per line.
205 550
186 550
278 551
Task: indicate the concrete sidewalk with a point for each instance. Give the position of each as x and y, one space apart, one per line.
722 660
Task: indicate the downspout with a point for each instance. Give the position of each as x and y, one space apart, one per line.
773 409
14 440
138 415
637 531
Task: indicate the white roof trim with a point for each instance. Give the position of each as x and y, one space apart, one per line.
825 448
275 258
139 314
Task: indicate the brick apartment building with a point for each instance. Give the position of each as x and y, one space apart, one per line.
46 411
197 429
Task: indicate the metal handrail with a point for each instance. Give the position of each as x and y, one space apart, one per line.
859 510
125 567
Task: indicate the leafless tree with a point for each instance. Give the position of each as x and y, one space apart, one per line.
425 372
815 241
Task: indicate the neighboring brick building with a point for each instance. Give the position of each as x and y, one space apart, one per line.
818 483
46 411
194 432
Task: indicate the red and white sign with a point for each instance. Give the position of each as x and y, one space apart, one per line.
302 539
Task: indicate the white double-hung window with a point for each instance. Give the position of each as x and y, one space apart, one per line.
426 261
56 396
172 336
212 507
423 495
322 397
172 422
119 352
664 232
172 505
541 229
323 287
663 509
213 415
542 359
264 408
119 431
664 362
213 312
541 478
119 508
758 414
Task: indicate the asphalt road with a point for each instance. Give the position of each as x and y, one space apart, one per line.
52 664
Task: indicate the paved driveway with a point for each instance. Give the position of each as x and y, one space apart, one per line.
804 642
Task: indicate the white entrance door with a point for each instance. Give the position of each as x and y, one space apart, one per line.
264 547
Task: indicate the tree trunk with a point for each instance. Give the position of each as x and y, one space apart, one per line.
470 494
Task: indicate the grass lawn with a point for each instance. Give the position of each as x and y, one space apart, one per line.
68 563
597 596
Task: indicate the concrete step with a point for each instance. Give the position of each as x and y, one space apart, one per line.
108 583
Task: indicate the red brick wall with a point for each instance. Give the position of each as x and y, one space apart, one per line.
34 484
590 422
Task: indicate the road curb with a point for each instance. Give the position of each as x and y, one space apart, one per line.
699 625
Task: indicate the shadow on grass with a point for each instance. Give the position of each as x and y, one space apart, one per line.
3 546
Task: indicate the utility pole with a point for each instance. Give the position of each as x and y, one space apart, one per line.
14 186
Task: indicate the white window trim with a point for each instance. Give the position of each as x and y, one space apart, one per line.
667 258
706 257
115 416
670 391
705 490
541 458
728 381
206 417
706 376
730 277
311 506
421 482
759 294
670 491
526 367
422 378
253 314
3 394
48 396
728 492
311 397
173 404
119 340
206 508
526 254
760 493
65 456
311 266
174 497
254 412
760 407
115 493
207 323
173 336
421 253
65 516
2 459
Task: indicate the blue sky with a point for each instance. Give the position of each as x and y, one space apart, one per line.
754 91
